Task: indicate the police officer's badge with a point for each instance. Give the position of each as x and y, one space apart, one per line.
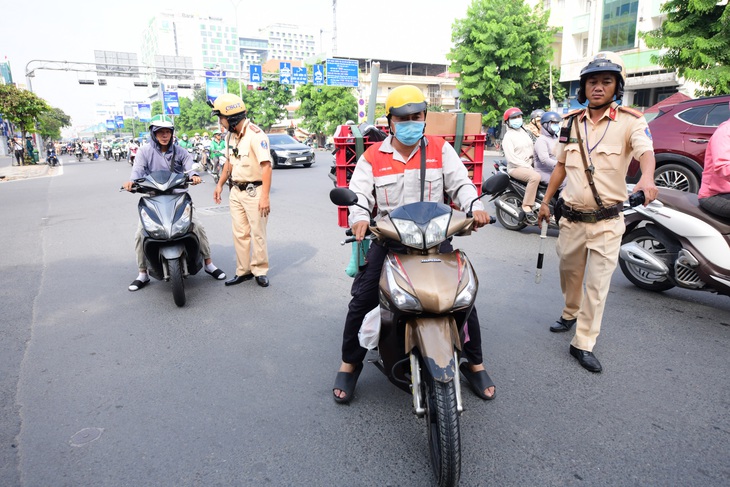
264 145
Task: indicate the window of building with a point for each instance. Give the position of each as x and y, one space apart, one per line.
619 24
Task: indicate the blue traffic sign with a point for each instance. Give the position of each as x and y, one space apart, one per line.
299 76
171 102
285 73
342 72
318 74
255 74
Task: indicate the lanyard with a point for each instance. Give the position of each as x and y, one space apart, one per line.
585 129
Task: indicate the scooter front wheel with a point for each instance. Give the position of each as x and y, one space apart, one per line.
444 439
176 278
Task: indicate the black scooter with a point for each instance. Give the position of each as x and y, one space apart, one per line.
171 248
508 202
51 158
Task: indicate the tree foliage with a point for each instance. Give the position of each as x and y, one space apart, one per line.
266 106
323 108
696 36
21 107
502 51
51 122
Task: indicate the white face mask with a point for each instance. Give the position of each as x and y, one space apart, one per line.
554 128
515 123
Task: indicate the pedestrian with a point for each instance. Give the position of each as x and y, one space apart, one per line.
248 164
18 150
714 192
518 149
29 149
161 155
397 161
594 152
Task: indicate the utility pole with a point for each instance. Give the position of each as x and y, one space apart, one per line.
334 28
236 3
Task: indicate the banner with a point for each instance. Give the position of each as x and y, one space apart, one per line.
216 84
145 112
110 125
171 102
119 121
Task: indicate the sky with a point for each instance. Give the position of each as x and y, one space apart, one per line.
408 30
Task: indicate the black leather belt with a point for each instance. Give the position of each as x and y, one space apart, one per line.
592 216
243 185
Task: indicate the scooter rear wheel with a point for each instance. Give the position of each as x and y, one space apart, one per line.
176 278
444 441
505 219
643 278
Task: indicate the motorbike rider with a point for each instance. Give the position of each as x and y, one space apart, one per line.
184 142
714 194
393 168
543 157
535 121
217 146
518 150
132 148
604 136
161 154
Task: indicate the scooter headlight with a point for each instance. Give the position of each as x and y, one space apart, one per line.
466 296
153 228
401 298
182 225
409 232
436 230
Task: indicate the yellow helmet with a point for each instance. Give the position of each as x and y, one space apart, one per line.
405 100
228 104
205 134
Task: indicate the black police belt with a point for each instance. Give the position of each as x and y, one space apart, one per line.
246 184
592 216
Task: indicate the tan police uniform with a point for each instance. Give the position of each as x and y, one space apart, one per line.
590 250
246 153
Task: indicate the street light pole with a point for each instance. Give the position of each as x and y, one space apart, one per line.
236 3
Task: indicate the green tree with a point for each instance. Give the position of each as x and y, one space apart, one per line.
323 108
51 122
21 107
156 108
696 36
502 51
267 105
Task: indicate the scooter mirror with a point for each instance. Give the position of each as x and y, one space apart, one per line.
343 197
495 184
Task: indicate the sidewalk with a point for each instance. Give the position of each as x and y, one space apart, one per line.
8 172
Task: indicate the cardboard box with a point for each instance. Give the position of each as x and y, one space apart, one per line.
444 123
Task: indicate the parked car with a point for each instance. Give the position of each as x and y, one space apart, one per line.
287 151
681 133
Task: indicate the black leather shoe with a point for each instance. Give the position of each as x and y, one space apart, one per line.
262 281
238 279
562 325
586 359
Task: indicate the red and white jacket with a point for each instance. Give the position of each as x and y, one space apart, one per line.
398 182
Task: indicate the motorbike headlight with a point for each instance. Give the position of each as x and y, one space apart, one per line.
154 229
466 296
401 298
182 225
409 232
436 230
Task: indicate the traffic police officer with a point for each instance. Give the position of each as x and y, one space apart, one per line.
248 163
597 143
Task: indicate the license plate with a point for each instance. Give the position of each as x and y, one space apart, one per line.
300 159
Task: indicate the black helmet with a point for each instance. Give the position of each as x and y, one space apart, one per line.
603 62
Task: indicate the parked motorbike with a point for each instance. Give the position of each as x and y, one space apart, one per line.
171 248
508 203
673 242
425 297
51 157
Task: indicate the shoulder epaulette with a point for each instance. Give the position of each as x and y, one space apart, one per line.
574 113
255 128
632 111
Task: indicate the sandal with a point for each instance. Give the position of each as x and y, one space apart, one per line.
137 285
478 381
217 274
346 382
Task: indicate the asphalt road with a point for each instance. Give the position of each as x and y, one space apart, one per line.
103 387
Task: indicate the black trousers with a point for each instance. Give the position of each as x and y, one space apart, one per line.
365 297
717 205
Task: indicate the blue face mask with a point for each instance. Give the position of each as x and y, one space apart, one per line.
554 128
515 123
409 133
